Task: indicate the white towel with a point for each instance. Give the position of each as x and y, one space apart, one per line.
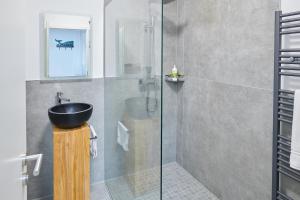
123 136
93 143
295 146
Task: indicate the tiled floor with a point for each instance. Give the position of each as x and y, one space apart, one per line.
99 192
178 184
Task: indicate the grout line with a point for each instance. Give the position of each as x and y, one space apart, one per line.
231 84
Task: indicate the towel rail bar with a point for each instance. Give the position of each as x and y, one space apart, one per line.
289 56
290 32
285 109
290 170
288 175
284 149
284 143
286 91
289 74
290 14
289 68
284 196
289 62
286 97
286 63
295 19
94 138
285 103
283 155
290 26
283 161
290 50
285 120
285 115
284 138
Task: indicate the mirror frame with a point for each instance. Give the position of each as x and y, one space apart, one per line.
71 23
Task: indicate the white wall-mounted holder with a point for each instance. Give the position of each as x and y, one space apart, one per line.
68 47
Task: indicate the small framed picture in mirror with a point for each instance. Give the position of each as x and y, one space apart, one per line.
67 46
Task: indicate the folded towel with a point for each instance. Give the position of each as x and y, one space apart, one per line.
93 143
123 136
295 145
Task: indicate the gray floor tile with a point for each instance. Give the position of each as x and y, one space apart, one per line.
178 184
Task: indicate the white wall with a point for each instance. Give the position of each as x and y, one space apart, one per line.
35 40
290 41
290 5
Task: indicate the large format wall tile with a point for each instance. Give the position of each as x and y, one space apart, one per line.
171 50
227 138
230 41
225 106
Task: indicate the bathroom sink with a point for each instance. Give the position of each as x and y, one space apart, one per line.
70 115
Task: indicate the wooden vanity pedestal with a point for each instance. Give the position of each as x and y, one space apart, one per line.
71 163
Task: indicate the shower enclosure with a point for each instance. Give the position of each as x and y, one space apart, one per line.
208 137
132 147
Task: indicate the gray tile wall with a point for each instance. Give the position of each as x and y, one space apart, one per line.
170 96
117 90
222 113
41 96
227 142
225 105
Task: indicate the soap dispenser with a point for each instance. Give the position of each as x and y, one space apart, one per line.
174 72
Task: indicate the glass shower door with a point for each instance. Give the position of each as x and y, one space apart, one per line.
132 146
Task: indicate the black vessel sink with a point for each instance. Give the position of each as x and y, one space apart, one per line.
70 115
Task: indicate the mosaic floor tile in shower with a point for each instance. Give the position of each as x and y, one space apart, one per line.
178 184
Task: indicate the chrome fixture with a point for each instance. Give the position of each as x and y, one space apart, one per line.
60 98
147 84
37 167
148 80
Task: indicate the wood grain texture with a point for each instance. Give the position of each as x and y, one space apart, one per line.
71 159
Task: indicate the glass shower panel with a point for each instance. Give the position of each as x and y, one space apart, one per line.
132 146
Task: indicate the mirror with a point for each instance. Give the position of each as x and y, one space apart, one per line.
67 46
